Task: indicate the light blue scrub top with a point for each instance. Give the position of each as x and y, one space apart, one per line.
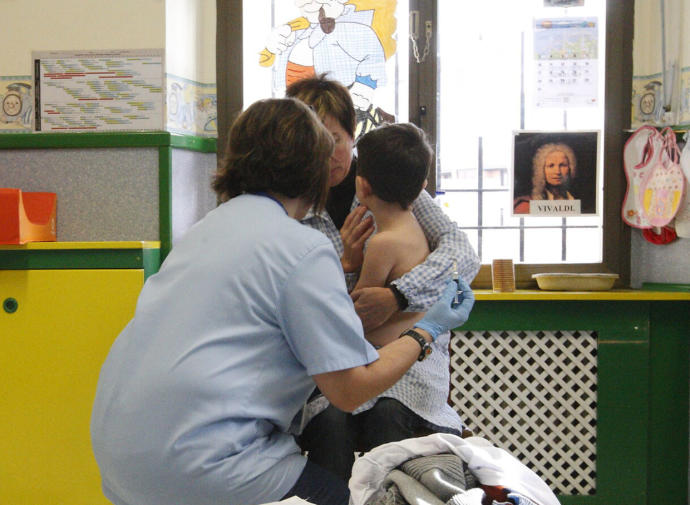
197 393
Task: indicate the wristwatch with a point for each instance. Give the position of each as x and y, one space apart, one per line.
399 297
426 347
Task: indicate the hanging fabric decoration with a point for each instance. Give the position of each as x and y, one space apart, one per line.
662 189
656 192
641 154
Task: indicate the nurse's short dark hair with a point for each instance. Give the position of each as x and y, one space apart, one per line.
395 160
326 97
278 145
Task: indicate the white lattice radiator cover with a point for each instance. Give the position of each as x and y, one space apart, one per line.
533 394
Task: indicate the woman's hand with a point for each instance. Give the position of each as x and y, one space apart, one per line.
354 234
374 306
445 314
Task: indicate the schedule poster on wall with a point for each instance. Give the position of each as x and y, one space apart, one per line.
99 90
566 61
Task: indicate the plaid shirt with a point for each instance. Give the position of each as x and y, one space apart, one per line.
424 388
424 283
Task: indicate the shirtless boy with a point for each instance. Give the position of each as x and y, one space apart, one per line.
393 164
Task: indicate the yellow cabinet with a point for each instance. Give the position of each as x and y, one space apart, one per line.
56 327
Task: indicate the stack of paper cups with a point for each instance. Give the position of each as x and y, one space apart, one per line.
503 275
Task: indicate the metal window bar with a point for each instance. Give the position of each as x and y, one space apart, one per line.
480 196
564 227
522 127
480 227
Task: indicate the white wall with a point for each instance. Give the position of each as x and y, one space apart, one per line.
190 39
39 25
185 28
668 263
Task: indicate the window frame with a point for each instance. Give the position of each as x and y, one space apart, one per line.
423 83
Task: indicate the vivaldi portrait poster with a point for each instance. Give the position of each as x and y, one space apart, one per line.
555 173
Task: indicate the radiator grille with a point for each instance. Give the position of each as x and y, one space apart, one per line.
534 394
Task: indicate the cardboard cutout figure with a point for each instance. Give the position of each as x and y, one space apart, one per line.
348 41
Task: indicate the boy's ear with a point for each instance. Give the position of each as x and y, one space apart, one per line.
363 185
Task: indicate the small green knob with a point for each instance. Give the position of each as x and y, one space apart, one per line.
10 305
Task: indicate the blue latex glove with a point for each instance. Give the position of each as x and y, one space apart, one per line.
445 315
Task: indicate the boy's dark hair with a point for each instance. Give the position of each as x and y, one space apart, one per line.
326 97
395 160
277 145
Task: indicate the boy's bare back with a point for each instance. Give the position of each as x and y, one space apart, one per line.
390 253
393 165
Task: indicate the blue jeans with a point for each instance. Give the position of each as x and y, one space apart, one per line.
320 486
333 437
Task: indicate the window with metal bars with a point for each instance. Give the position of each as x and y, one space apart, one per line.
470 86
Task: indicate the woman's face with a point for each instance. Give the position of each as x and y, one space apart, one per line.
556 168
341 159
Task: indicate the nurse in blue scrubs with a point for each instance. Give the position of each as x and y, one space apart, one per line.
246 315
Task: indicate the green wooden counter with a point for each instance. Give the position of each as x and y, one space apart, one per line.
143 255
590 389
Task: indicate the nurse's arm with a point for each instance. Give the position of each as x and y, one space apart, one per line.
350 388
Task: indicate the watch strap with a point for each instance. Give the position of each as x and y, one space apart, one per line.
399 297
425 346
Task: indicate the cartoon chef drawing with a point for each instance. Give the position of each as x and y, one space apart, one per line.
335 38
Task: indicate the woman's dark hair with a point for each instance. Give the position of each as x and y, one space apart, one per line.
395 160
276 145
326 97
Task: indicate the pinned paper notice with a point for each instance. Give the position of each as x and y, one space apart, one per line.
99 90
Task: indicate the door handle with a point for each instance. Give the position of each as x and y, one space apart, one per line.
10 305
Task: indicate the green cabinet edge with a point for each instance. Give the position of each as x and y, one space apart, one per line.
107 139
664 286
146 259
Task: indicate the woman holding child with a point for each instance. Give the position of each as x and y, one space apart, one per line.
247 313
418 402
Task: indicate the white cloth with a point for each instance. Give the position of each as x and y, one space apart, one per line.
293 500
197 393
491 465
473 496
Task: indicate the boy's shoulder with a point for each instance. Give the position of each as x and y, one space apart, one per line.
397 240
385 236
388 238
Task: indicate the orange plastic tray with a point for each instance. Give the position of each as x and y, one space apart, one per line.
27 216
